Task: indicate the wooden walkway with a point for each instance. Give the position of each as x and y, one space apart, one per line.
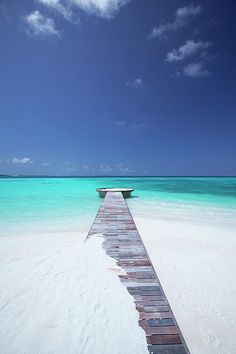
123 242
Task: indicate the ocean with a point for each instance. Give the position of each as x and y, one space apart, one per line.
53 204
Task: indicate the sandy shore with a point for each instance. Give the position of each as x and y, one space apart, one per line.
60 295
196 265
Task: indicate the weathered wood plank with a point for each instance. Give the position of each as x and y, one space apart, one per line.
161 322
164 339
160 330
167 349
154 315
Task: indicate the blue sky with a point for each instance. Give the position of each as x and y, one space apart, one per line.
117 87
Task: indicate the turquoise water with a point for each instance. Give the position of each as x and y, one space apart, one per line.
47 203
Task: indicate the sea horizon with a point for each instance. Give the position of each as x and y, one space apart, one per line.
117 176
63 201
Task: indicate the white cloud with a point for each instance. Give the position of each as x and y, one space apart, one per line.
195 70
71 169
85 167
64 10
4 12
120 123
182 17
139 125
138 82
39 24
188 49
45 164
186 13
103 8
105 168
69 163
23 160
69 166
124 169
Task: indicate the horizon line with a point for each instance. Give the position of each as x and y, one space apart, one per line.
113 176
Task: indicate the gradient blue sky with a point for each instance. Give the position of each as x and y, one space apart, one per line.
101 87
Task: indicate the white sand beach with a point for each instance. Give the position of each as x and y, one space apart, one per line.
196 265
60 295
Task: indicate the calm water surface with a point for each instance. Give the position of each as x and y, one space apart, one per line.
48 203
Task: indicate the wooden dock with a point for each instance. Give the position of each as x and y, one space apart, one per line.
123 243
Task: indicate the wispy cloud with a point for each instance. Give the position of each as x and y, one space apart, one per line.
182 17
124 169
69 163
23 160
188 49
120 123
195 70
191 48
105 168
70 169
135 125
102 8
40 25
4 12
64 10
69 166
139 125
46 164
136 83
85 168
